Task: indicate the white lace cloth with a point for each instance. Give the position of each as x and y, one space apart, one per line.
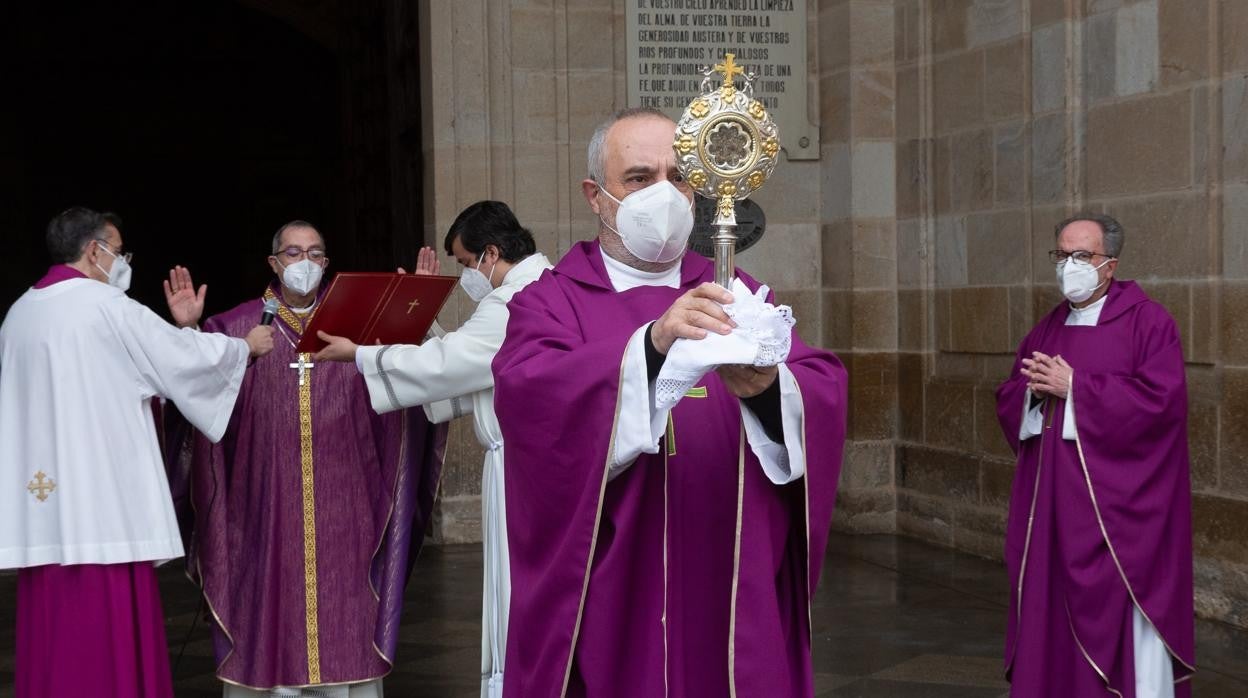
763 337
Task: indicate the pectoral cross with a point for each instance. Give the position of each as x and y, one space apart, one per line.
412 306
304 365
41 486
729 68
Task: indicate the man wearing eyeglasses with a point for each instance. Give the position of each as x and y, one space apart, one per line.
305 512
85 510
1098 542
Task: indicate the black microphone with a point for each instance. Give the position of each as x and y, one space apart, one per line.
270 310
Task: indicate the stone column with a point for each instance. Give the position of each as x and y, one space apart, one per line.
859 237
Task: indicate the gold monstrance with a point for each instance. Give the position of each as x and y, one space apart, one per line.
726 147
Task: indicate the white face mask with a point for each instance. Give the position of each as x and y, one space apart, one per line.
654 223
302 277
475 284
119 274
1079 280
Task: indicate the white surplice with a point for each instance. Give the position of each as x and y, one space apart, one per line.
640 423
450 375
79 364
1154 673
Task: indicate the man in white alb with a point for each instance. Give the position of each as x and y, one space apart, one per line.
450 375
85 508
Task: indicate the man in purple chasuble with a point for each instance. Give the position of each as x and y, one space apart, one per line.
1099 538
657 553
85 512
309 513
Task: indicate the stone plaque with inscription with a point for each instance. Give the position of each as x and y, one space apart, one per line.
669 41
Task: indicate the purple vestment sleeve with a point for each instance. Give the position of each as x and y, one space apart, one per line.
690 570
1101 524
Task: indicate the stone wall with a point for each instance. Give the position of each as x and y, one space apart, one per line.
515 90
1010 115
954 133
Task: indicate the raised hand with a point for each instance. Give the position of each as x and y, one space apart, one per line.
693 315
186 305
427 262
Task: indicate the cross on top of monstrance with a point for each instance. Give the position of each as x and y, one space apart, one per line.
726 147
729 68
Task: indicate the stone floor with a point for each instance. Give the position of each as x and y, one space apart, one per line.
894 618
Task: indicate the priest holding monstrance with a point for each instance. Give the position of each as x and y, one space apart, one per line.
676 444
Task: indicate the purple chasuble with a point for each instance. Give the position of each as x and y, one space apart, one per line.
1102 523
689 574
307 517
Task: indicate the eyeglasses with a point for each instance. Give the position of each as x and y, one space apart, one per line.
1081 256
294 254
123 256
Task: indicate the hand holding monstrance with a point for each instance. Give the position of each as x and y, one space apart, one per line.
726 147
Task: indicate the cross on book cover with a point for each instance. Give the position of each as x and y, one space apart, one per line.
378 308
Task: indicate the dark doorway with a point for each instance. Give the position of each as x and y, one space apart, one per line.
205 124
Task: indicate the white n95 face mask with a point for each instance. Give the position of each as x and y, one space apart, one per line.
654 223
1078 280
119 274
474 283
302 277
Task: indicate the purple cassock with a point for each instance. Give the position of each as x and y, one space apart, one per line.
1101 523
691 573
307 517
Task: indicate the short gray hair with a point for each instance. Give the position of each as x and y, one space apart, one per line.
597 155
277 237
1112 236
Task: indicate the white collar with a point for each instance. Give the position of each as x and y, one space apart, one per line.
624 277
1089 315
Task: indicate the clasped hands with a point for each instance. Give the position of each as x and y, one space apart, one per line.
1047 375
698 312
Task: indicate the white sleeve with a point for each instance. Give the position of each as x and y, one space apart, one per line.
1033 418
201 372
440 411
1068 421
639 424
453 365
786 462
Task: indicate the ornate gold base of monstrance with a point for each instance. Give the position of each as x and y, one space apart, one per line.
726 148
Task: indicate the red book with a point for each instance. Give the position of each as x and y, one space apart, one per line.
378 308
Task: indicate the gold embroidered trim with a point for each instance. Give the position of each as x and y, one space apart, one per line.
1070 621
381 539
1031 517
699 393
810 590
736 565
1087 477
309 528
593 543
663 620
287 315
